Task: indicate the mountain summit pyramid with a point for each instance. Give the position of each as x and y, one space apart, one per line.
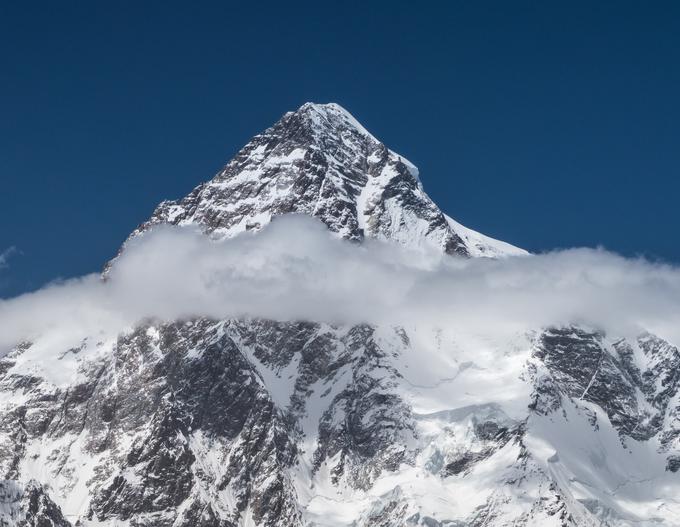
252 422
320 161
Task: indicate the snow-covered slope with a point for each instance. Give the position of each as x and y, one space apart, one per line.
250 422
479 245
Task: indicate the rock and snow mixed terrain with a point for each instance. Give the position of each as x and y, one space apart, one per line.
256 422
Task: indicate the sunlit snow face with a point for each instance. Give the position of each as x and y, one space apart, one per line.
296 269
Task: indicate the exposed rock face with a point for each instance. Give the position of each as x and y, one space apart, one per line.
636 390
251 422
177 425
28 506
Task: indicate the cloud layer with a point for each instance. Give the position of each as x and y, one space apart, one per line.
295 269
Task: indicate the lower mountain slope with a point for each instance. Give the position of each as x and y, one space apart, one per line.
257 422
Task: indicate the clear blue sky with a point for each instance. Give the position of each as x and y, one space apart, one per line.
546 124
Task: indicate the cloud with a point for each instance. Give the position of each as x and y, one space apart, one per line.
295 269
4 256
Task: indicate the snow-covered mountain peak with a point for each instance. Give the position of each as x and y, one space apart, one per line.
320 161
253 422
330 117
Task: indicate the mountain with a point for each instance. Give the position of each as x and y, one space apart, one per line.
252 422
321 162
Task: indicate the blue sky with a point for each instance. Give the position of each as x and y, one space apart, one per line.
548 125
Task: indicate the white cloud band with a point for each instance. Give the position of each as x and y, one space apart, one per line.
295 269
